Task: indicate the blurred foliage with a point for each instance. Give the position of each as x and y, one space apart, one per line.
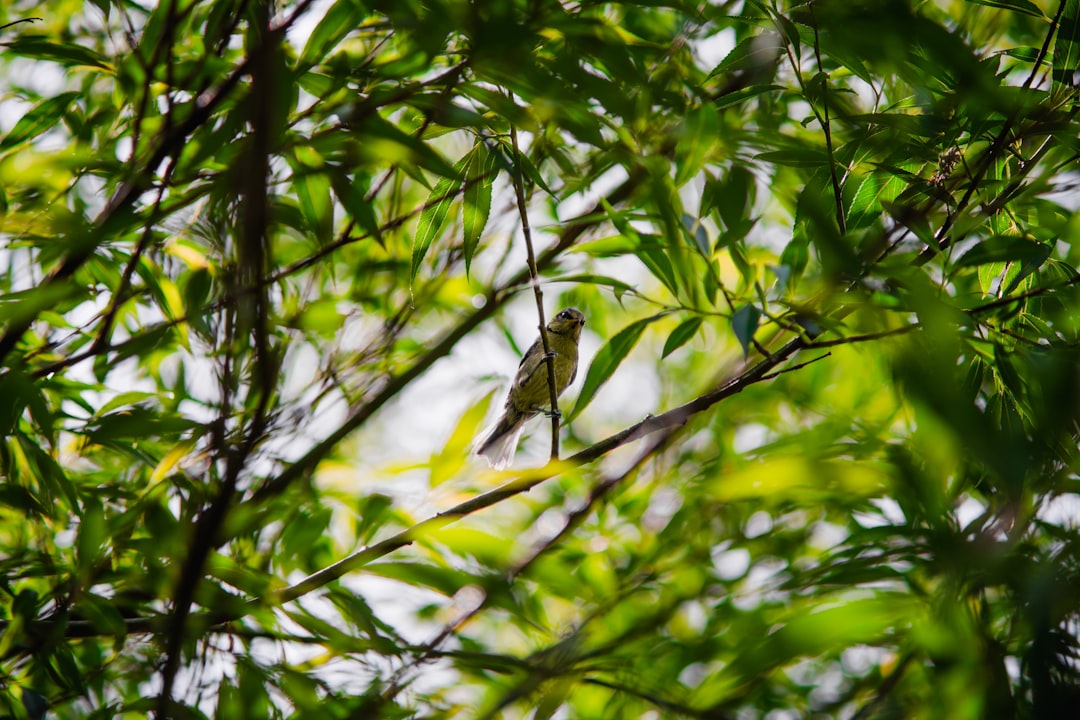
255 262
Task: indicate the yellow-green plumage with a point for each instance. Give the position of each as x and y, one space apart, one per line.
530 393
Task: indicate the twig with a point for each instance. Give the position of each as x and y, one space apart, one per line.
793 368
851 339
526 231
21 20
838 197
886 687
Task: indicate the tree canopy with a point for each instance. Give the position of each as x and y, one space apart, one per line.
267 267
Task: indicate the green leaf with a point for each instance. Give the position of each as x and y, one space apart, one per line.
796 254
476 204
349 192
1005 248
432 220
313 194
755 53
447 463
383 143
681 335
619 287
744 323
699 133
795 157
443 580
876 189
694 231
1025 7
22 500
1067 45
652 254
608 359
23 305
17 390
66 54
734 196
40 118
743 94
340 19
92 535
608 246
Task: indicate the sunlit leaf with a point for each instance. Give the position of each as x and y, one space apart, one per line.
476 203
682 334
40 118
433 220
68 55
1025 7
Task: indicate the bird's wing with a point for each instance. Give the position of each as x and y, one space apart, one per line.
529 362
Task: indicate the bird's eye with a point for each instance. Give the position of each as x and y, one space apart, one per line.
563 315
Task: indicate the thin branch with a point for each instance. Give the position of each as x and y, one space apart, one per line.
852 339
21 20
534 279
793 368
666 705
826 127
1055 25
886 687
101 340
1037 292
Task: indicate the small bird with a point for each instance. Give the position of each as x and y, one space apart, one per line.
530 394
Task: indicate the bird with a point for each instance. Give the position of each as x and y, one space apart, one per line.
530 393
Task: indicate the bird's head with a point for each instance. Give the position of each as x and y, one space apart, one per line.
567 322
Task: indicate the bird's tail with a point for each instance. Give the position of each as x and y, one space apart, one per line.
498 443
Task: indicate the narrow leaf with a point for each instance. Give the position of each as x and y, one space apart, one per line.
745 323
681 335
1067 46
342 18
40 118
700 132
1005 248
476 205
351 195
659 263
433 219
1025 7
66 54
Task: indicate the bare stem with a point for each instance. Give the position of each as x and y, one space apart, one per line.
526 231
